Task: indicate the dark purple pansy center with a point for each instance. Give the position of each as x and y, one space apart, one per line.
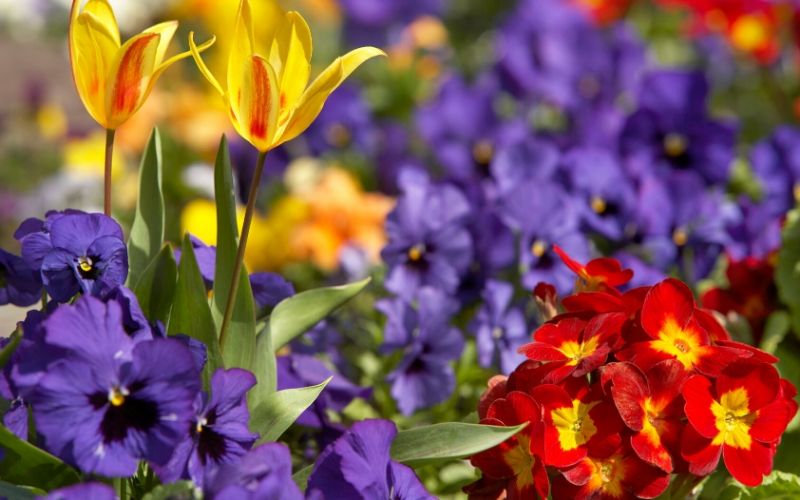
124 412
211 445
676 149
3 275
87 267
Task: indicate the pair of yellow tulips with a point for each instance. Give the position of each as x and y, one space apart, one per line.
268 96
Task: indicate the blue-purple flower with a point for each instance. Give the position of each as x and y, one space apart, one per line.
77 252
109 402
424 376
263 473
380 22
776 165
269 289
757 233
83 491
357 466
499 328
206 257
20 285
428 241
219 432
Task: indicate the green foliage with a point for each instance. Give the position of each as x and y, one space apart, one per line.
295 315
264 369
25 464
279 410
787 272
156 288
147 231
182 490
12 491
240 338
776 486
190 312
8 350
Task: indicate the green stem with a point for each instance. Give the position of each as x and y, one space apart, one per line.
107 171
238 263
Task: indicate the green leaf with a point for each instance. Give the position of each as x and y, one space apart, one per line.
775 330
280 409
147 231
447 441
156 287
295 315
12 491
8 350
776 486
301 477
240 340
265 370
190 312
787 271
28 465
182 490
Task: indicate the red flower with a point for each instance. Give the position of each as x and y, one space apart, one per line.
669 318
574 424
620 474
517 461
651 406
604 12
575 346
599 274
741 417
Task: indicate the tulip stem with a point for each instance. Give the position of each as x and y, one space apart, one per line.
238 263
107 171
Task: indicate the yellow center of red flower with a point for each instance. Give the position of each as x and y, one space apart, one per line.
607 476
574 425
576 351
682 344
520 460
750 32
733 419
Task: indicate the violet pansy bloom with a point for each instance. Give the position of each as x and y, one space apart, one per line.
83 491
499 328
87 254
776 164
109 402
269 289
20 285
424 376
263 473
357 466
206 257
219 432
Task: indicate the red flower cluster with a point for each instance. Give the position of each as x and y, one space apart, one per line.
623 389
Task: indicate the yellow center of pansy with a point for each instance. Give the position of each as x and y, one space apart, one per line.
675 144
680 237
116 396
796 192
85 264
733 419
684 345
416 252
338 135
201 423
483 152
598 205
574 425
538 248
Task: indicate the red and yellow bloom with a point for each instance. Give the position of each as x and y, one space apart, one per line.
599 274
114 79
268 96
740 416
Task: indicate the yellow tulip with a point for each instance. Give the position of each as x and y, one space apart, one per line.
114 79
268 99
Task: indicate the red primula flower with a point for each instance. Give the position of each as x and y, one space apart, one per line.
741 417
604 12
599 274
616 475
668 318
576 346
574 424
546 300
517 461
650 405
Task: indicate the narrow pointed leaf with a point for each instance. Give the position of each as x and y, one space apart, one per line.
240 342
280 409
190 313
265 369
156 288
8 490
301 477
26 464
447 441
147 231
7 351
296 315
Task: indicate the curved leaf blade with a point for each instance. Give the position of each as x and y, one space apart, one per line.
280 409
31 466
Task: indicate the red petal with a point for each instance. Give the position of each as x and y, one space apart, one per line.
748 466
752 353
715 330
772 420
574 265
670 300
650 447
628 391
702 456
516 408
496 388
611 270
566 330
540 351
714 358
666 380
761 381
598 302
606 327
540 479
698 397
642 479
580 473
642 355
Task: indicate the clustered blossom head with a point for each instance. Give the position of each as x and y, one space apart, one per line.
622 389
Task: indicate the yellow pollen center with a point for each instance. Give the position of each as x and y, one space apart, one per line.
538 248
415 253
796 192
679 237
85 264
483 152
734 419
116 396
497 332
683 345
675 144
598 204
200 424
338 135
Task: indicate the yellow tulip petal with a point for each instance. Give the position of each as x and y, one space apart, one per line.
313 99
130 77
167 31
254 103
102 10
296 62
201 65
241 50
92 53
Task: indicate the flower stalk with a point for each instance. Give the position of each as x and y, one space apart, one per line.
109 160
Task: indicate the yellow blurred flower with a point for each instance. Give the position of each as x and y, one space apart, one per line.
51 121
85 156
267 98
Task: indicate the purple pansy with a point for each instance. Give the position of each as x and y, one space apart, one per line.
428 241
424 376
344 122
84 491
20 285
499 328
134 321
265 472
34 236
78 253
380 22
219 433
15 417
672 131
776 164
757 233
269 289
206 256
109 402
357 466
